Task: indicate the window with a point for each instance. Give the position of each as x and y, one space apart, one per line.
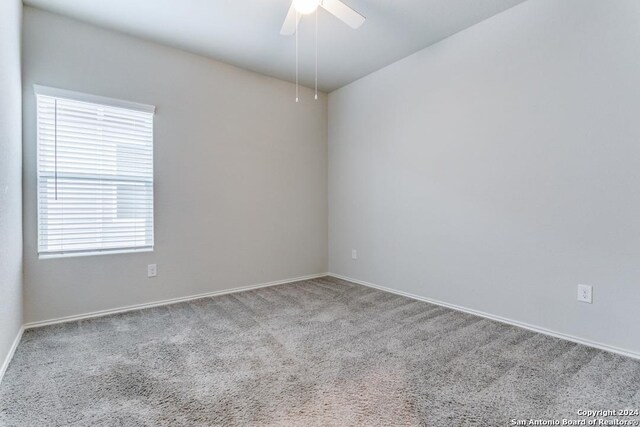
95 174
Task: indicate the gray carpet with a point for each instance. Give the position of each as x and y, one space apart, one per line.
319 352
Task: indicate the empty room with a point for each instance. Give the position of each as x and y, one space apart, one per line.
319 213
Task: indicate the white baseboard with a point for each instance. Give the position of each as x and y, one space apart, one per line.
600 346
12 350
165 302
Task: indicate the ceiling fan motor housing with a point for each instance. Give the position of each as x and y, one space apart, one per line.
306 7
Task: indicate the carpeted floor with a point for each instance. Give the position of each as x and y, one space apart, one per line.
319 352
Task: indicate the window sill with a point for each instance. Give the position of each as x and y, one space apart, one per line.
93 253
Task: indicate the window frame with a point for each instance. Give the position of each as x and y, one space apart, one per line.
40 90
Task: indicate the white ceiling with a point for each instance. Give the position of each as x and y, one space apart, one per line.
246 33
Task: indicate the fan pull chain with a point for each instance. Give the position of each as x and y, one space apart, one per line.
316 54
297 89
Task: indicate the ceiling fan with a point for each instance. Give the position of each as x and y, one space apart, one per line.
306 7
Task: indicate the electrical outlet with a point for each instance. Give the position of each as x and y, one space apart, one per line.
585 293
152 270
354 254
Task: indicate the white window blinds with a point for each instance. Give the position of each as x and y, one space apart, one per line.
95 174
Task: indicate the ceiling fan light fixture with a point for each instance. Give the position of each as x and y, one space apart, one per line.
306 7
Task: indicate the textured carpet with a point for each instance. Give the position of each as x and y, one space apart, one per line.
319 352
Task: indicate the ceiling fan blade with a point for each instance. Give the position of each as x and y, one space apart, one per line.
290 22
343 12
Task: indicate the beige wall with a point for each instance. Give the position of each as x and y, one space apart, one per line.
10 176
500 168
240 172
